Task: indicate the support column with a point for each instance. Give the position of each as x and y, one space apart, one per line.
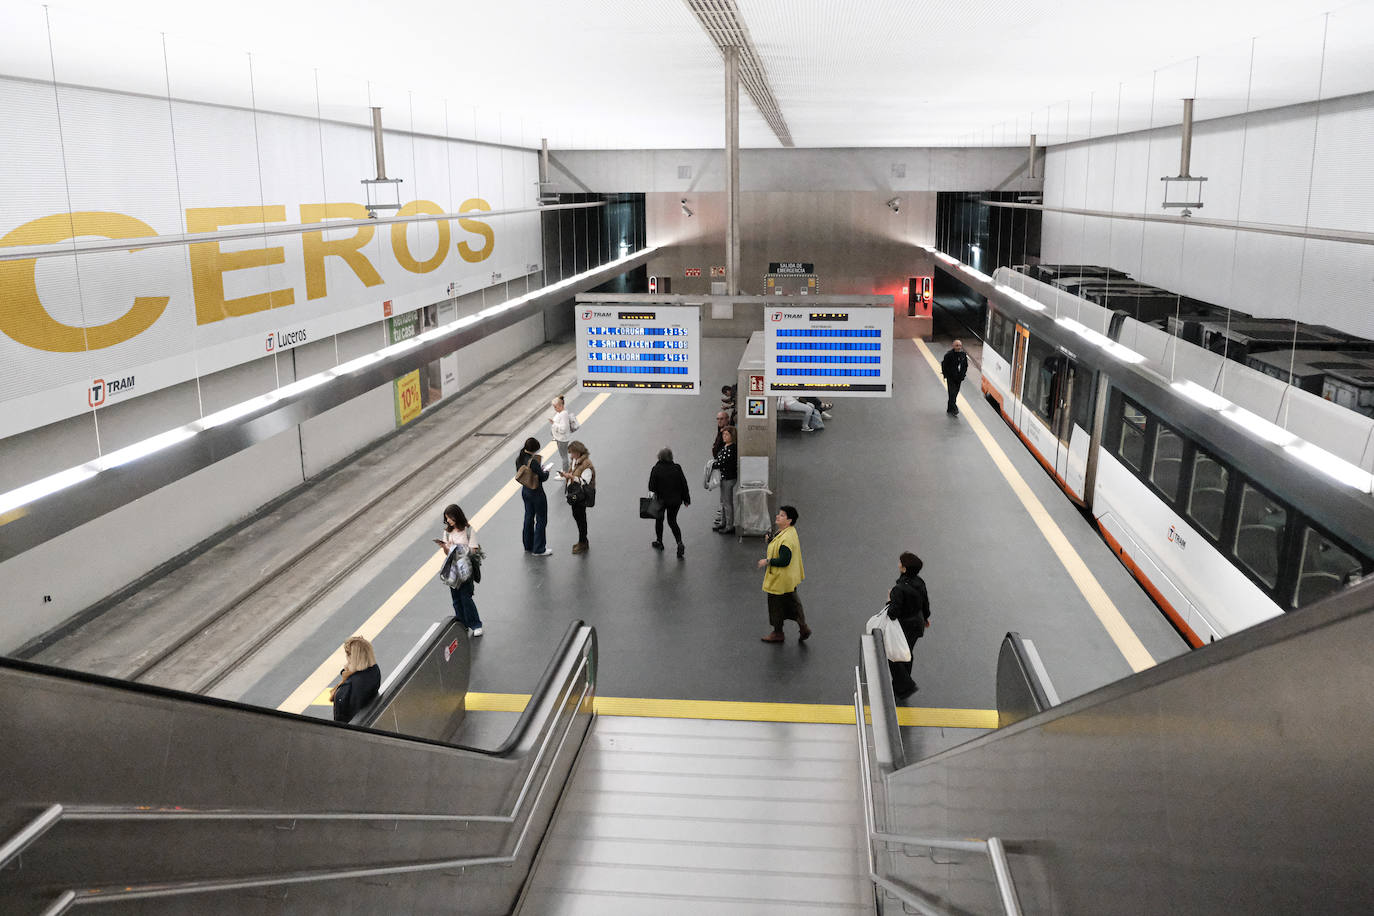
732 171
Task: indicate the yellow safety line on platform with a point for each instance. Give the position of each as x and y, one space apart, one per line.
735 711
300 698
1117 628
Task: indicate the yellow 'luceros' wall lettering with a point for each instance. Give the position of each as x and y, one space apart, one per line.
22 315
24 318
401 247
209 264
316 249
476 227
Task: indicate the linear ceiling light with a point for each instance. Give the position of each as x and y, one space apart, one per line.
721 20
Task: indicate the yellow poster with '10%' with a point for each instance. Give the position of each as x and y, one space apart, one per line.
408 404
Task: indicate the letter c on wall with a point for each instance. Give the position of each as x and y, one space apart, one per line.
26 320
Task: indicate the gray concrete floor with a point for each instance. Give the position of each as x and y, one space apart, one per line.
886 475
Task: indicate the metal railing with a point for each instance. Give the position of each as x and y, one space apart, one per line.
992 847
57 813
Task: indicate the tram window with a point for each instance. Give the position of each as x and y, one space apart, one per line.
1168 461
1259 536
1207 499
1044 372
1001 333
1083 397
1326 568
1131 446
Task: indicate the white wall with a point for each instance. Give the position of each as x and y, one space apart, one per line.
1304 165
809 170
83 566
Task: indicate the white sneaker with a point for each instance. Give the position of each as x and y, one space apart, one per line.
547 553
477 631
825 415
807 429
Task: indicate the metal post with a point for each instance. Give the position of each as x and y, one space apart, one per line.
1030 166
732 171
377 143
544 161
1186 154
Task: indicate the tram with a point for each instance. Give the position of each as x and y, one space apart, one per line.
1225 518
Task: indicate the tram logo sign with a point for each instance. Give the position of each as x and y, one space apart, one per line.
777 316
586 314
1177 537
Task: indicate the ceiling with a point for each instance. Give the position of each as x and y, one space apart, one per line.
632 74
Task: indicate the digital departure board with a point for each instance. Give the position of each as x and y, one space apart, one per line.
841 351
654 349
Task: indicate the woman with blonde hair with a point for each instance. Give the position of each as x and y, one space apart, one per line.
581 490
362 677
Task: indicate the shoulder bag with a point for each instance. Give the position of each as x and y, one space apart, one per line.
527 478
894 640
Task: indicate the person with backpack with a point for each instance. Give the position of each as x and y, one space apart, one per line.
669 486
908 604
581 493
530 471
458 533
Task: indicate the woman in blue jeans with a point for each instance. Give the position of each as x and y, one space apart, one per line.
459 533
536 501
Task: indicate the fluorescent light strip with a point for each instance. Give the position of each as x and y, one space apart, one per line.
976 274
143 449
45 487
1332 465
1204 396
1105 343
53 483
1261 427
221 417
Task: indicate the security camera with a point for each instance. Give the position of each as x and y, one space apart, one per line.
895 205
686 210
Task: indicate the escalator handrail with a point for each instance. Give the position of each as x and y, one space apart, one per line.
179 812
125 891
992 847
545 685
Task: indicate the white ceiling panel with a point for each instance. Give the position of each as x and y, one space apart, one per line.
627 74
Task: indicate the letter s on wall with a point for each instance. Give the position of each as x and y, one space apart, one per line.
26 320
477 227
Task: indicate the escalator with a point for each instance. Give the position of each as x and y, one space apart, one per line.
1233 779
147 800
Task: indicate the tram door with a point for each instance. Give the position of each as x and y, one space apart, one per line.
1065 391
1018 373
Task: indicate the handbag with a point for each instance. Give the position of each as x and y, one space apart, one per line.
894 640
527 478
649 507
457 567
576 493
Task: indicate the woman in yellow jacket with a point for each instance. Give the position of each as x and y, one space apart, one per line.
784 573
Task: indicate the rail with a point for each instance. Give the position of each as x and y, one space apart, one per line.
992 847
123 891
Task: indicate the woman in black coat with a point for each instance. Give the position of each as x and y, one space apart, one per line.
669 484
909 605
536 500
361 677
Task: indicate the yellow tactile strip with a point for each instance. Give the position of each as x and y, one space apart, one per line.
1132 649
814 713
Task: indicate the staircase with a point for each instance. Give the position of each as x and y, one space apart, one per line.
691 816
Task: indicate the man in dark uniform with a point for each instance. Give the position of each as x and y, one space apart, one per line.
954 367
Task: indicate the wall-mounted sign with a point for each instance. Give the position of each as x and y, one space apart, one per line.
843 351
717 271
692 272
634 348
791 267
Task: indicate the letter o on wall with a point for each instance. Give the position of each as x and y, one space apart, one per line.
400 244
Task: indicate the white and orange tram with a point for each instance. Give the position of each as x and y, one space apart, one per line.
1226 519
